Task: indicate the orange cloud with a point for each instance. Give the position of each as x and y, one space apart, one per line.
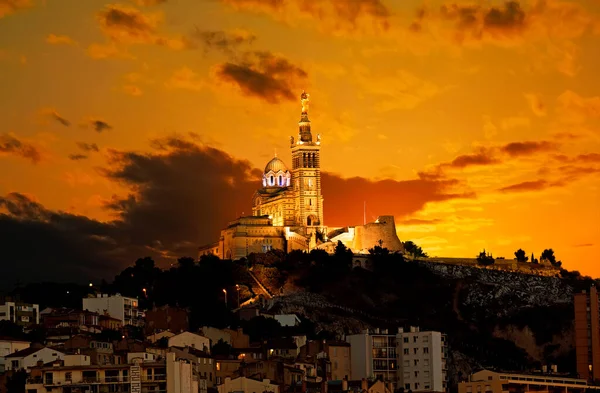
148 3
536 104
574 108
185 78
8 7
535 185
264 75
331 15
10 145
54 39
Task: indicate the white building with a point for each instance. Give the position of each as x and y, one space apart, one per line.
23 314
27 358
412 360
189 339
421 360
180 375
117 306
8 346
373 355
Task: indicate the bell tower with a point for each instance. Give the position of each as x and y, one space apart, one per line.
306 173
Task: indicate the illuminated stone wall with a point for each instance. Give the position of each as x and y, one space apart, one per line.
367 236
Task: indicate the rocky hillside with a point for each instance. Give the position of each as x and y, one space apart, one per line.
493 318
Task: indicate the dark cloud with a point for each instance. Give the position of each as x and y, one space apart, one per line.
99 125
77 157
484 157
384 197
224 41
66 246
182 195
534 185
9 144
264 75
584 245
475 22
88 147
123 23
60 119
588 158
517 149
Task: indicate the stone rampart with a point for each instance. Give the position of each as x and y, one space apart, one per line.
369 235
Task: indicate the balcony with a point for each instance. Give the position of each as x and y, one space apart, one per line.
154 378
78 381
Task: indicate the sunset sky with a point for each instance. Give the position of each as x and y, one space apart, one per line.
139 127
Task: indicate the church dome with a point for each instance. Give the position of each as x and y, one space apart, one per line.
275 165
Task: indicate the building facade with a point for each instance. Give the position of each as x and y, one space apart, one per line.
587 334
23 314
10 346
486 381
123 308
422 360
287 211
412 360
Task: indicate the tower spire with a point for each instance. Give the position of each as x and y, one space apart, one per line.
304 132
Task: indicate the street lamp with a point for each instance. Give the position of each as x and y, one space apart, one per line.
144 290
225 292
237 287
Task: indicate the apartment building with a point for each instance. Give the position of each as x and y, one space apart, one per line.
487 381
373 355
76 374
421 360
123 308
411 359
587 334
23 314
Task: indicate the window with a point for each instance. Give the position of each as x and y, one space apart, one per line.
49 379
426 339
416 362
407 386
426 373
415 350
426 350
406 375
334 351
210 376
417 386
407 363
415 339
416 374
469 389
68 376
406 351
218 366
425 362
427 387
405 339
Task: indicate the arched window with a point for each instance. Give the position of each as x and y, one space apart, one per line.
280 180
271 180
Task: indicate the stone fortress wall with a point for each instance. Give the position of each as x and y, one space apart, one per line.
369 235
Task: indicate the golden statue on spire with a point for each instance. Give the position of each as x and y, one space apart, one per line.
304 99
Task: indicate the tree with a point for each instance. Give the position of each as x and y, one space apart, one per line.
412 249
221 348
520 255
533 259
485 258
343 255
548 255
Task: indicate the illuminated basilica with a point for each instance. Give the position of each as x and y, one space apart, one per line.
287 211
